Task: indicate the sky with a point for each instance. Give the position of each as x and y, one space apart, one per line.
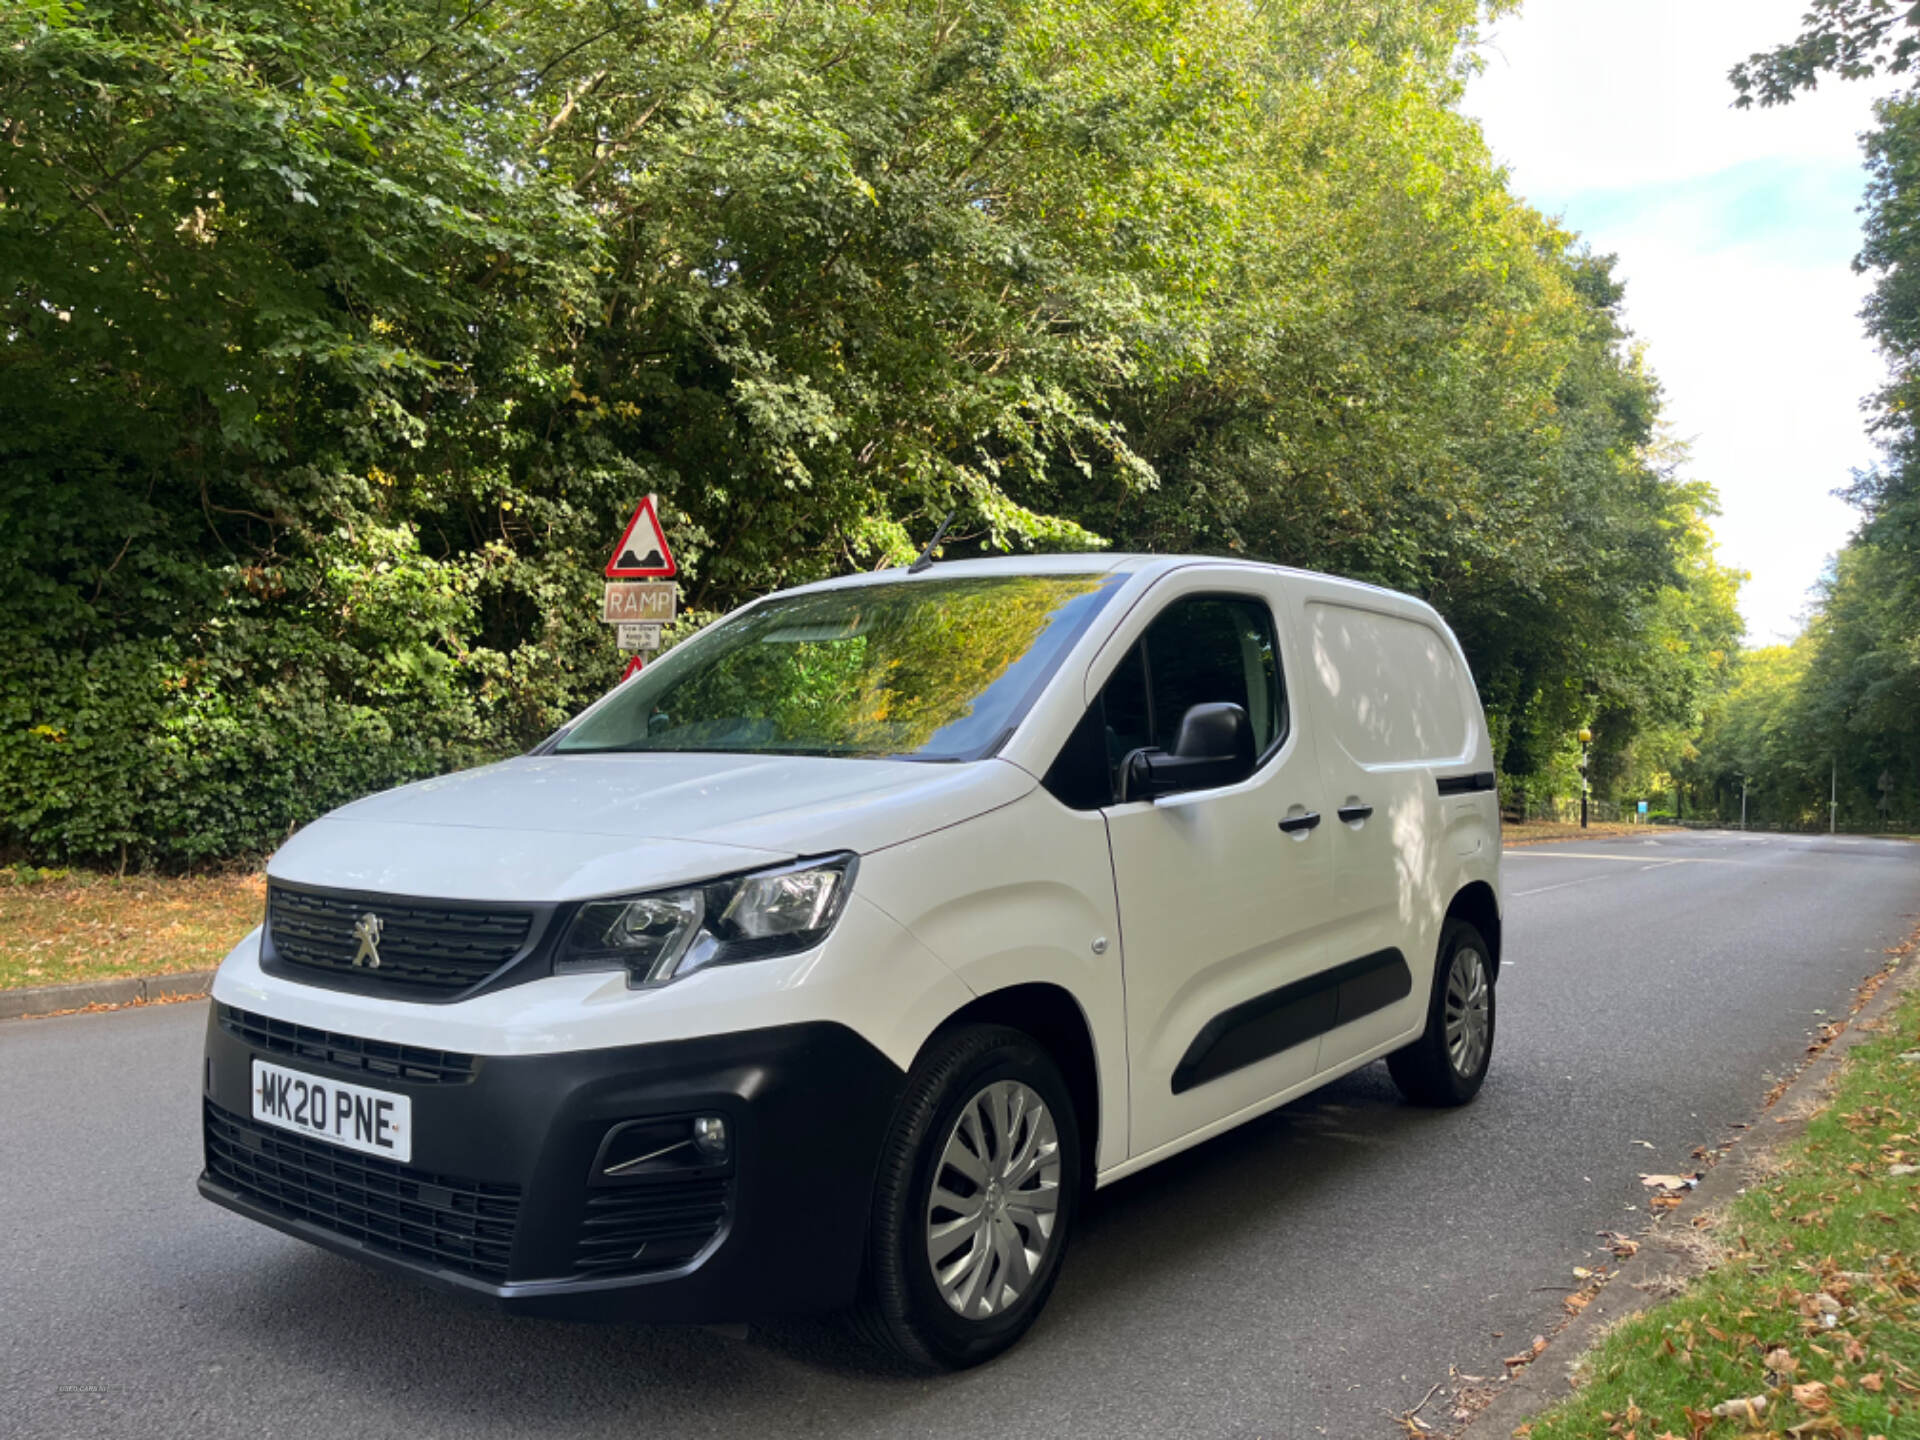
1735 231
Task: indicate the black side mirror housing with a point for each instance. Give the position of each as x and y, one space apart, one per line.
1214 748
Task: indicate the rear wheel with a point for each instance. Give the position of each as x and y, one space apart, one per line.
978 1184
1448 1063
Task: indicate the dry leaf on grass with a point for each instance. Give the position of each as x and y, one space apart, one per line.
1812 1397
1751 1408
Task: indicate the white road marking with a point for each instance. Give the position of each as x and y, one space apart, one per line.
1624 859
1585 879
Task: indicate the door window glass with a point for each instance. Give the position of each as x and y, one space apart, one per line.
1202 649
1211 648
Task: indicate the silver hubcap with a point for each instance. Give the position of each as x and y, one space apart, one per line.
996 1195
1467 1011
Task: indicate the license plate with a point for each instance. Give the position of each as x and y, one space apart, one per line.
376 1122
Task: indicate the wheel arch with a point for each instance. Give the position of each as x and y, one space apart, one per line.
1476 904
1053 1018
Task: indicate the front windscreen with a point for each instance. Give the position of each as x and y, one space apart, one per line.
938 669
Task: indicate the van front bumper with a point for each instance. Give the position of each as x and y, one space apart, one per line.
505 1197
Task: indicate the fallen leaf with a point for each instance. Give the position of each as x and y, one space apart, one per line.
1872 1381
1668 1182
1751 1408
1527 1356
1812 1397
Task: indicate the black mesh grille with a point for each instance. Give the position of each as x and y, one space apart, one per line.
645 1228
455 1224
426 947
379 1058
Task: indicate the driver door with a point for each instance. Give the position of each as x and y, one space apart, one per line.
1222 911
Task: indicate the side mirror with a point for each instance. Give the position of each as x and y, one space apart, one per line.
1214 748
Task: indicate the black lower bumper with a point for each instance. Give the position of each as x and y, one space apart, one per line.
505 1186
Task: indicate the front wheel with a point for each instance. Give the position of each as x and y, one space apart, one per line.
1448 1063
978 1184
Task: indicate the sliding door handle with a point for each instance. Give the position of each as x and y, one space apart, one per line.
1294 824
1353 814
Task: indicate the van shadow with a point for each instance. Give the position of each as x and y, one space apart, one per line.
432 1363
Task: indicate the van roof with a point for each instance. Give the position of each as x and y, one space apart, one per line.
1082 563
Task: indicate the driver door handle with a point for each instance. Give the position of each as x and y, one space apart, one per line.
1352 813
1295 823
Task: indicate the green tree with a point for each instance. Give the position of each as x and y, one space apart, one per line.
1851 715
339 339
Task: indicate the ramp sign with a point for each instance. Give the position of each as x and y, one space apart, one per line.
642 553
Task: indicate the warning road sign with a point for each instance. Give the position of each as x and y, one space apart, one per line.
651 603
642 553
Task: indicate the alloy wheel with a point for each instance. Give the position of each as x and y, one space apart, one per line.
1467 1010
995 1198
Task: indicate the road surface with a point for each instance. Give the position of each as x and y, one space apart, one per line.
1312 1274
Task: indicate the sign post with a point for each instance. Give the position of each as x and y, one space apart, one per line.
640 597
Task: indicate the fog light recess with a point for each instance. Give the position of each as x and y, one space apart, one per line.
681 1145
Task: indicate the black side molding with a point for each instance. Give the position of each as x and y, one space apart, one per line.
1262 1027
1464 784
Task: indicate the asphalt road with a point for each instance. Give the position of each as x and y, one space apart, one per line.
1312 1274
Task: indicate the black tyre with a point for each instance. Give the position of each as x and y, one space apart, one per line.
1448 1063
978 1185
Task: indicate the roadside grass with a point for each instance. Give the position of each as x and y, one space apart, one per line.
1531 832
60 926
1814 1316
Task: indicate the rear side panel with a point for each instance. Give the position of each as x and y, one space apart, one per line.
1410 771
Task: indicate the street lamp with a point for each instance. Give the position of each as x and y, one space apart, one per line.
1586 739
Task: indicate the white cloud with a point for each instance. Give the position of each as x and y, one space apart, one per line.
1735 232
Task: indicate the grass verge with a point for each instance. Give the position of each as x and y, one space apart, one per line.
1531 832
59 926
1810 1324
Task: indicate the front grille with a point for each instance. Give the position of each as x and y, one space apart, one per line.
379 1058
422 947
640 1229
447 1222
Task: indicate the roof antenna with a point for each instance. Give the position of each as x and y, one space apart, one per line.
925 562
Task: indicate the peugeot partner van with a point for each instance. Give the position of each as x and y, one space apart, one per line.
834 958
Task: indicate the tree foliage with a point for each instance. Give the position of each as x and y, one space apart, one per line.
339 339
1841 710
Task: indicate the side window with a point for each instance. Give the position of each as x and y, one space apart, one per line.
1201 649
1211 648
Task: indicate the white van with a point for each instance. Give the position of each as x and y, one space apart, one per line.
830 960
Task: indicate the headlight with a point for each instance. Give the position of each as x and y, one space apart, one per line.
670 933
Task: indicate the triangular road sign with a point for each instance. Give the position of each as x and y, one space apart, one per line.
642 553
